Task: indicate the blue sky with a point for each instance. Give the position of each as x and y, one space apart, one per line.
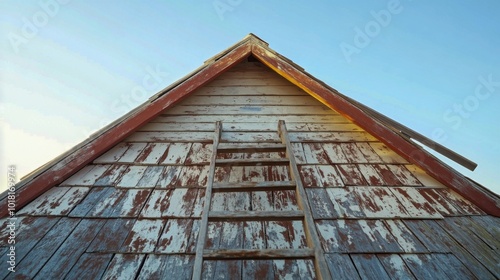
68 68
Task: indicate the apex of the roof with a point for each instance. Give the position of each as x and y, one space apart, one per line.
254 39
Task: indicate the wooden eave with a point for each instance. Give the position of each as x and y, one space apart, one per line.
386 130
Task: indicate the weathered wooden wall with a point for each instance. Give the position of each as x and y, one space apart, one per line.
135 211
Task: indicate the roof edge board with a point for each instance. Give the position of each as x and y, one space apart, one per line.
409 150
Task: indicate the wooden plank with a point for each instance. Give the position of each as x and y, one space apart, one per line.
353 153
387 175
255 215
120 203
379 202
107 242
262 201
143 236
369 154
124 266
58 201
69 252
345 202
356 136
258 254
425 266
250 110
133 152
463 205
114 154
181 203
165 266
381 237
331 127
488 223
341 266
395 266
423 177
200 154
285 200
152 153
45 248
254 186
454 268
111 176
179 236
403 175
253 82
151 176
368 266
252 162
386 154
254 235
257 269
231 235
294 269
131 177
445 207
157 204
415 204
250 137
321 205
167 137
371 175
328 176
88 176
309 176
131 203
90 266
297 152
261 100
246 148
193 176
169 176
77 178
202 236
156 125
95 195
350 174
270 118
406 239
314 153
334 153
237 90
176 153
475 245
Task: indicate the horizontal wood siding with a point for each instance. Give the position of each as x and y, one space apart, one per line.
135 211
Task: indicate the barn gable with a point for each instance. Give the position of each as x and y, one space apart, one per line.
275 182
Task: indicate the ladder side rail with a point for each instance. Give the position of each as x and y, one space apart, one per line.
312 237
198 262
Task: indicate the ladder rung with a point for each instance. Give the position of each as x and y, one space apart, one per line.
255 215
252 162
255 186
245 148
258 254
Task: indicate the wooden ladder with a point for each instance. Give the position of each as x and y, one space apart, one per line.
313 251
